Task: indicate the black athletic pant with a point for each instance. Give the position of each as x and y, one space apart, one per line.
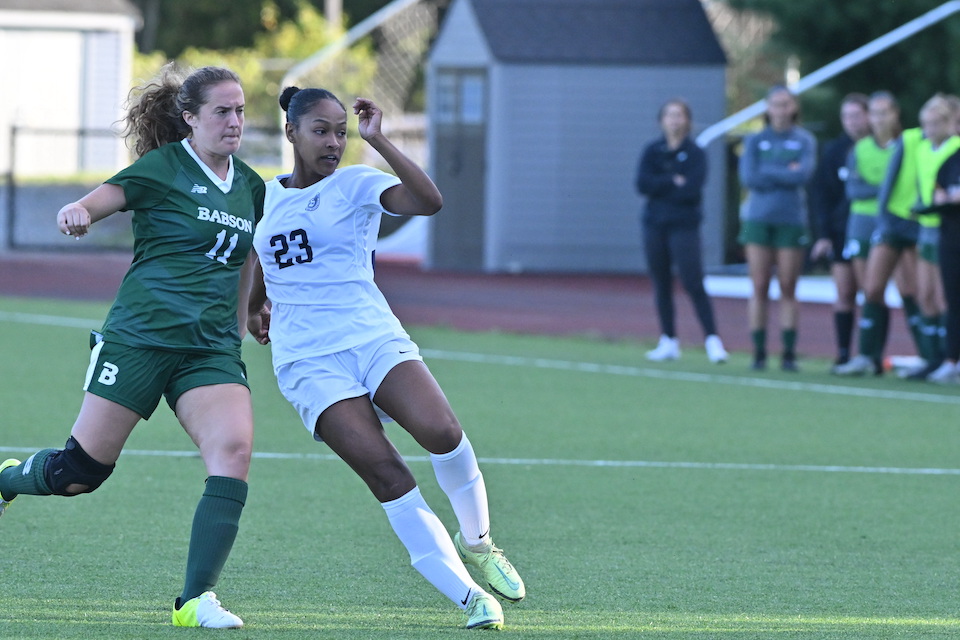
949 259
667 246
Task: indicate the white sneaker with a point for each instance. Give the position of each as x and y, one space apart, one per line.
946 373
859 365
919 372
667 349
715 351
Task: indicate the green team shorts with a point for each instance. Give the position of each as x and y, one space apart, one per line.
896 232
779 236
929 252
858 248
892 239
928 242
136 378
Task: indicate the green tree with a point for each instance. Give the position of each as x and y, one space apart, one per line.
292 39
819 31
172 26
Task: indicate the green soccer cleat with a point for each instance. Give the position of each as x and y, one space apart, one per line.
10 462
204 611
484 612
500 575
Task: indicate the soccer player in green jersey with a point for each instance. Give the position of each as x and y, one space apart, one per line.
173 330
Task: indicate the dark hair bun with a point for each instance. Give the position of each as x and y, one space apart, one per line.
286 96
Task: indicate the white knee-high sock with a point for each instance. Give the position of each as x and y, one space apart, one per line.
430 547
459 476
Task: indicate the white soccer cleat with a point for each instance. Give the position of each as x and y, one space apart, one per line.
4 503
946 373
204 611
715 351
667 349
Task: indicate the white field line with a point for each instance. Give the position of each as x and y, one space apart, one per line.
685 376
589 367
586 367
559 462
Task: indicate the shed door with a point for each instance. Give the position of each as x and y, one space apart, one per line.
460 167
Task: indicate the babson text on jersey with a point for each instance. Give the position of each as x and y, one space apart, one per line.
224 218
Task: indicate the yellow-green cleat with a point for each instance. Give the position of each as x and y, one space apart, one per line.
10 462
484 612
500 575
204 611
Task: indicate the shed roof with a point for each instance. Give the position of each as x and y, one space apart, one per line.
122 7
650 32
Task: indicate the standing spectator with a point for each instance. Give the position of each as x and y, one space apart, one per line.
938 119
671 174
830 212
775 167
946 200
173 330
866 171
898 231
893 243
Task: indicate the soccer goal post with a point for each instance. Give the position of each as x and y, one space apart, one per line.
838 66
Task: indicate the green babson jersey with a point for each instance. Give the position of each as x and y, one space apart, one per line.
190 242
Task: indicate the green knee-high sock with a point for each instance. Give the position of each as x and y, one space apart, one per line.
215 526
942 335
27 477
872 329
759 338
883 330
843 328
931 340
914 320
789 339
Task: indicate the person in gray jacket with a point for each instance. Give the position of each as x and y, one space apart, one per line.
775 167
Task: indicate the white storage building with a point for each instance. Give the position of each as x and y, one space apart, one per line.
65 76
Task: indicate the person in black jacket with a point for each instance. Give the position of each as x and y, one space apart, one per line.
830 210
946 202
671 174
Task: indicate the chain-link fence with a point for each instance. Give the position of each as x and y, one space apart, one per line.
48 168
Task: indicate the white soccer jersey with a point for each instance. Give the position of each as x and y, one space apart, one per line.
316 246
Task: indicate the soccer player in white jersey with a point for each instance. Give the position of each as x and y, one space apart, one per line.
338 348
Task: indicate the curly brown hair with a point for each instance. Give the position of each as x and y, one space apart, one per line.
155 109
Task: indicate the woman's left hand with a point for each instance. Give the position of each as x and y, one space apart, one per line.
370 117
258 324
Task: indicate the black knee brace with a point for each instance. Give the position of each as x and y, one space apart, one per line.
72 465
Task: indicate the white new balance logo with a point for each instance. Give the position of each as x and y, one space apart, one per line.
198 189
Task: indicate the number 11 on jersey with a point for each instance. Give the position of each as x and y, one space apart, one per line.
212 254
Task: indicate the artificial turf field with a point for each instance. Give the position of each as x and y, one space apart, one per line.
637 500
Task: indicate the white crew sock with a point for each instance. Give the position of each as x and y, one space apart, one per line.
460 478
430 547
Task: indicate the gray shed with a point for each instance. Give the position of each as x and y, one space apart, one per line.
538 111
